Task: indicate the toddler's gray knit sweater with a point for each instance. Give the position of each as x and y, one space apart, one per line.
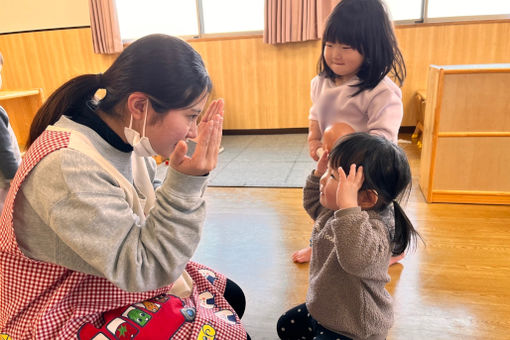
351 250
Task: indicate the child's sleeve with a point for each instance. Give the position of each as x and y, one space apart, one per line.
314 95
311 197
361 243
385 112
9 164
83 213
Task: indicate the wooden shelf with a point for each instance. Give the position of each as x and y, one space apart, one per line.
466 135
21 106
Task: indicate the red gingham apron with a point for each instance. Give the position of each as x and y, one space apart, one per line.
40 300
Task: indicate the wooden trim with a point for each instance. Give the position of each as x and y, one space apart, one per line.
474 134
435 129
47 30
402 130
265 131
452 23
4 95
479 70
225 36
466 196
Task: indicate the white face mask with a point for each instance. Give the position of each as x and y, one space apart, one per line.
141 146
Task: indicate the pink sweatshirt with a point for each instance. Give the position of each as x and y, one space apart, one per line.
378 111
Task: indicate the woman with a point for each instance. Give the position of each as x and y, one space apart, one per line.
89 248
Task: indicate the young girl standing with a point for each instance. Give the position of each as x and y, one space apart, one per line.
358 225
359 50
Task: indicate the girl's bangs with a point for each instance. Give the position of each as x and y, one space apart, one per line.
343 32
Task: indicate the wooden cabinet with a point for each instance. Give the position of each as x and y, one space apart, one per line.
466 139
21 107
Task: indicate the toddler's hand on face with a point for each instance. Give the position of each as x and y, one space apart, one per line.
348 187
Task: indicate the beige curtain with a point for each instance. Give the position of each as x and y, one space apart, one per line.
295 20
105 27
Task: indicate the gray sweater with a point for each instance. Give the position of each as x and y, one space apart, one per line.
71 212
351 250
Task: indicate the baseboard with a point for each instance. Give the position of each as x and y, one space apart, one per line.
403 129
265 131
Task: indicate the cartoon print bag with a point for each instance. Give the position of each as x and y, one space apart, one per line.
205 315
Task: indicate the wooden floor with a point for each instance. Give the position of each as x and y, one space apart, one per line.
456 286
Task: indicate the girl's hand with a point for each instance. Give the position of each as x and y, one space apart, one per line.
322 165
215 107
348 187
205 157
313 145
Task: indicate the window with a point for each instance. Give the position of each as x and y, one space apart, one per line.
196 18
174 17
222 16
188 18
471 8
404 10
447 10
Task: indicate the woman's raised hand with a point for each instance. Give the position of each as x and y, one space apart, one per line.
205 157
322 164
216 107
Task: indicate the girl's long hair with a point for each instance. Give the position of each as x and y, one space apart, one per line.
165 68
365 26
386 171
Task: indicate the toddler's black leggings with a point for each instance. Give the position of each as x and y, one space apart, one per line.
298 324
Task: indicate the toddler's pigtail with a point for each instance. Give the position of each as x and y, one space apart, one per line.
405 234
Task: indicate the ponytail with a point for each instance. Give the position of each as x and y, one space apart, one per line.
405 234
68 97
164 67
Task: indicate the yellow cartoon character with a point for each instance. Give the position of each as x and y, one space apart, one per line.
5 337
207 333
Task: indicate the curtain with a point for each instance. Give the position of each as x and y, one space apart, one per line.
105 27
295 20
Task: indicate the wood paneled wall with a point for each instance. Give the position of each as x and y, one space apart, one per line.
46 59
265 86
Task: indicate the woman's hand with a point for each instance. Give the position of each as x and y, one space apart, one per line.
215 108
313 146
322 165
348 187
205 157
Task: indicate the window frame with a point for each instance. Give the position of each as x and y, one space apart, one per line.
423 20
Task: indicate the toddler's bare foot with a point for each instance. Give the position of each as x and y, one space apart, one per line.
303 255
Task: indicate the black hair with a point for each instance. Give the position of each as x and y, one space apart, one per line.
386 171
166 68
365 26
